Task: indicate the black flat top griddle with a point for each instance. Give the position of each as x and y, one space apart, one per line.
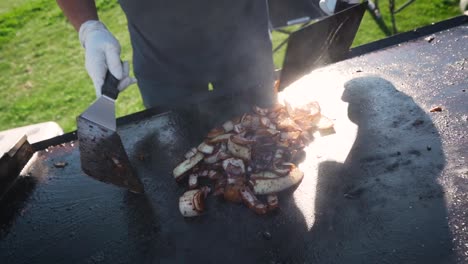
399 196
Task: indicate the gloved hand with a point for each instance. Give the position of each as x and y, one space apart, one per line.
328 6
102 52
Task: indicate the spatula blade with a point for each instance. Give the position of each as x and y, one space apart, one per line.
103 156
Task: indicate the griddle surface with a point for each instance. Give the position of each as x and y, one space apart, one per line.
399 196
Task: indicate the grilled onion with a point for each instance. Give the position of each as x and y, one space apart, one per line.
186 165
239 151
205 148
270 186
253 154
192 203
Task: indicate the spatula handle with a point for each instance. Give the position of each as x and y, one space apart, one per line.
109 88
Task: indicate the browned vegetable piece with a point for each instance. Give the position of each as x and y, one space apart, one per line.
287 124
260 111
234 167
239 151
264 175
249 199
228 126
269 186
205 148
212 175
324 123
283 169
192 203
240 140
190 153
292 135
436 109
193 181
219 154
219 186
186 165
267 132
215 132
272 201
253 154
220 138
232 193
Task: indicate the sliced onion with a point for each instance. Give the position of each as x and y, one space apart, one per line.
219 186
203 173
192 203
279 154
269 186
283 144
272 201
228 126
215 132
239 151
205 148
264 175
292 135
314 108
306 137
234 166
190 153
239 128
284 168
212 175
287 124
304 123
236 120
232 193
220 138
324 123
193 181
265 121
239 139
260 111
186 165
289 108
246 120
260 209
211 159
256 123
249 199
266 132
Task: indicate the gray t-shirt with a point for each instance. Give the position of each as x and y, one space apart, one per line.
178 45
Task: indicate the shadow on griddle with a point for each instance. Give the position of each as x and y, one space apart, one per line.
384 204
143 226
14 202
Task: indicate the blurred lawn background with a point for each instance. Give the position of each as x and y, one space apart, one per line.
42 74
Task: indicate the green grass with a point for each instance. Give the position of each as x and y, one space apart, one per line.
42 64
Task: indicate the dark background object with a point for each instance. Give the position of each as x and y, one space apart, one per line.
12 162
325 41
283 11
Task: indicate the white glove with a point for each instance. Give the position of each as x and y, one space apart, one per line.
102 52
328 6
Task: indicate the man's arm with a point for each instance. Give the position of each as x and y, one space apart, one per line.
78 11
102 49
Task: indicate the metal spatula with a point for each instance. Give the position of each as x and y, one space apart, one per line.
102 153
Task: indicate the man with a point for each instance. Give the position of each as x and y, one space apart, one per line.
180 48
